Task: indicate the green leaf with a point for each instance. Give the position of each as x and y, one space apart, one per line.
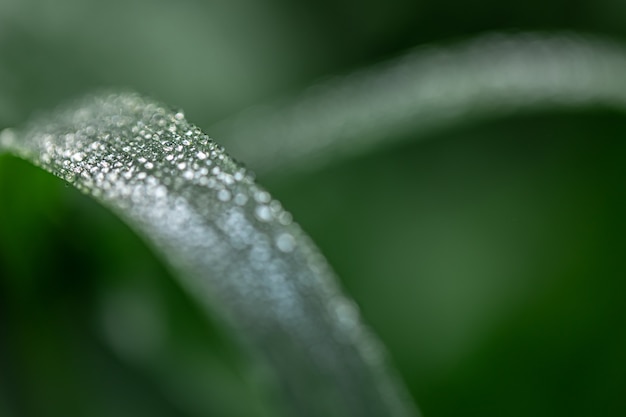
232 245
428 89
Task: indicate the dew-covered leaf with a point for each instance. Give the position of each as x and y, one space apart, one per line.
429 88
232 245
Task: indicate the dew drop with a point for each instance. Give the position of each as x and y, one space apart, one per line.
262 197
223 195
276 206
263 213
241 199
160 192
285 218
211 182
239 175
227 179
285 242
347 314
159 120
201 155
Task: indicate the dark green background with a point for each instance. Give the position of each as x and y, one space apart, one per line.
489 259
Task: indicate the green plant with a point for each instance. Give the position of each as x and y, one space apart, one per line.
216 228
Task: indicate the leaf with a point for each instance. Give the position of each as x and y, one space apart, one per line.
430 88
233 246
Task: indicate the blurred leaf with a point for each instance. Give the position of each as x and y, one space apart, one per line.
234 247
429 89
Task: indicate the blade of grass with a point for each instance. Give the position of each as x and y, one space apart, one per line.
431 88
233 246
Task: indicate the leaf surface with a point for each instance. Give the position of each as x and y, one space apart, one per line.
430 88
232 245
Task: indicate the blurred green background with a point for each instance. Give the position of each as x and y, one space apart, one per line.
489 259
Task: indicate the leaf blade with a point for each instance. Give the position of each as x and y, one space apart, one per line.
428 89
233 246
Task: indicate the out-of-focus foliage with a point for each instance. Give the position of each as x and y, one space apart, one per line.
496 284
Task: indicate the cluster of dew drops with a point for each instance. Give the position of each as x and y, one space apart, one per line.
107 144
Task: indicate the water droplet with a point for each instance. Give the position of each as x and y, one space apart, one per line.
239 175
181 165
159 120
241 199
78 157
285 242
276 206
160 192
347 314
201 155
223 195
262 197
227 179
211 183
263 213
285 218
149 165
